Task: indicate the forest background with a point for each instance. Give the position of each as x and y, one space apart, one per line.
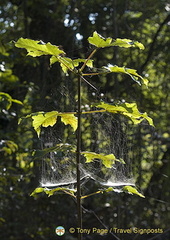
39 87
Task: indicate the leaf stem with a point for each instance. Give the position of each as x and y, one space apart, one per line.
62 62
91 194
89 57
95 73
86 112
78 159
88 82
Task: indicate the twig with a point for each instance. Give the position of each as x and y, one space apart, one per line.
78 158
89 83
90 211
89 57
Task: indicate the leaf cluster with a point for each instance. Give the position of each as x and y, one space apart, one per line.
46 119
77 66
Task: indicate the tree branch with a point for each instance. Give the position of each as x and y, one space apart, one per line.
151 50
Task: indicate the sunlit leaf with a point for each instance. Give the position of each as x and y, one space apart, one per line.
89 63
107 160
127 43
132 190
129 110
44 120
101 42
133 14
53 60
69 64
51 192
69 119
109 189
37 48
131 72
37 190
139 45
66 64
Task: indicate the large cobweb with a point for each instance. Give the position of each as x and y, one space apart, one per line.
101 133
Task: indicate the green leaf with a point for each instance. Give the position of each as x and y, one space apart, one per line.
107 160
65 63
2 220
101 42
58 147
37 190
51 192
16 101
8 77
6 101
3 50
127 43
139 45
69 64
109 189
69 119
44 120
132 190
131 72
8 147
36 48
129 110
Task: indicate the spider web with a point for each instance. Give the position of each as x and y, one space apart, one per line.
110 136
101 133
